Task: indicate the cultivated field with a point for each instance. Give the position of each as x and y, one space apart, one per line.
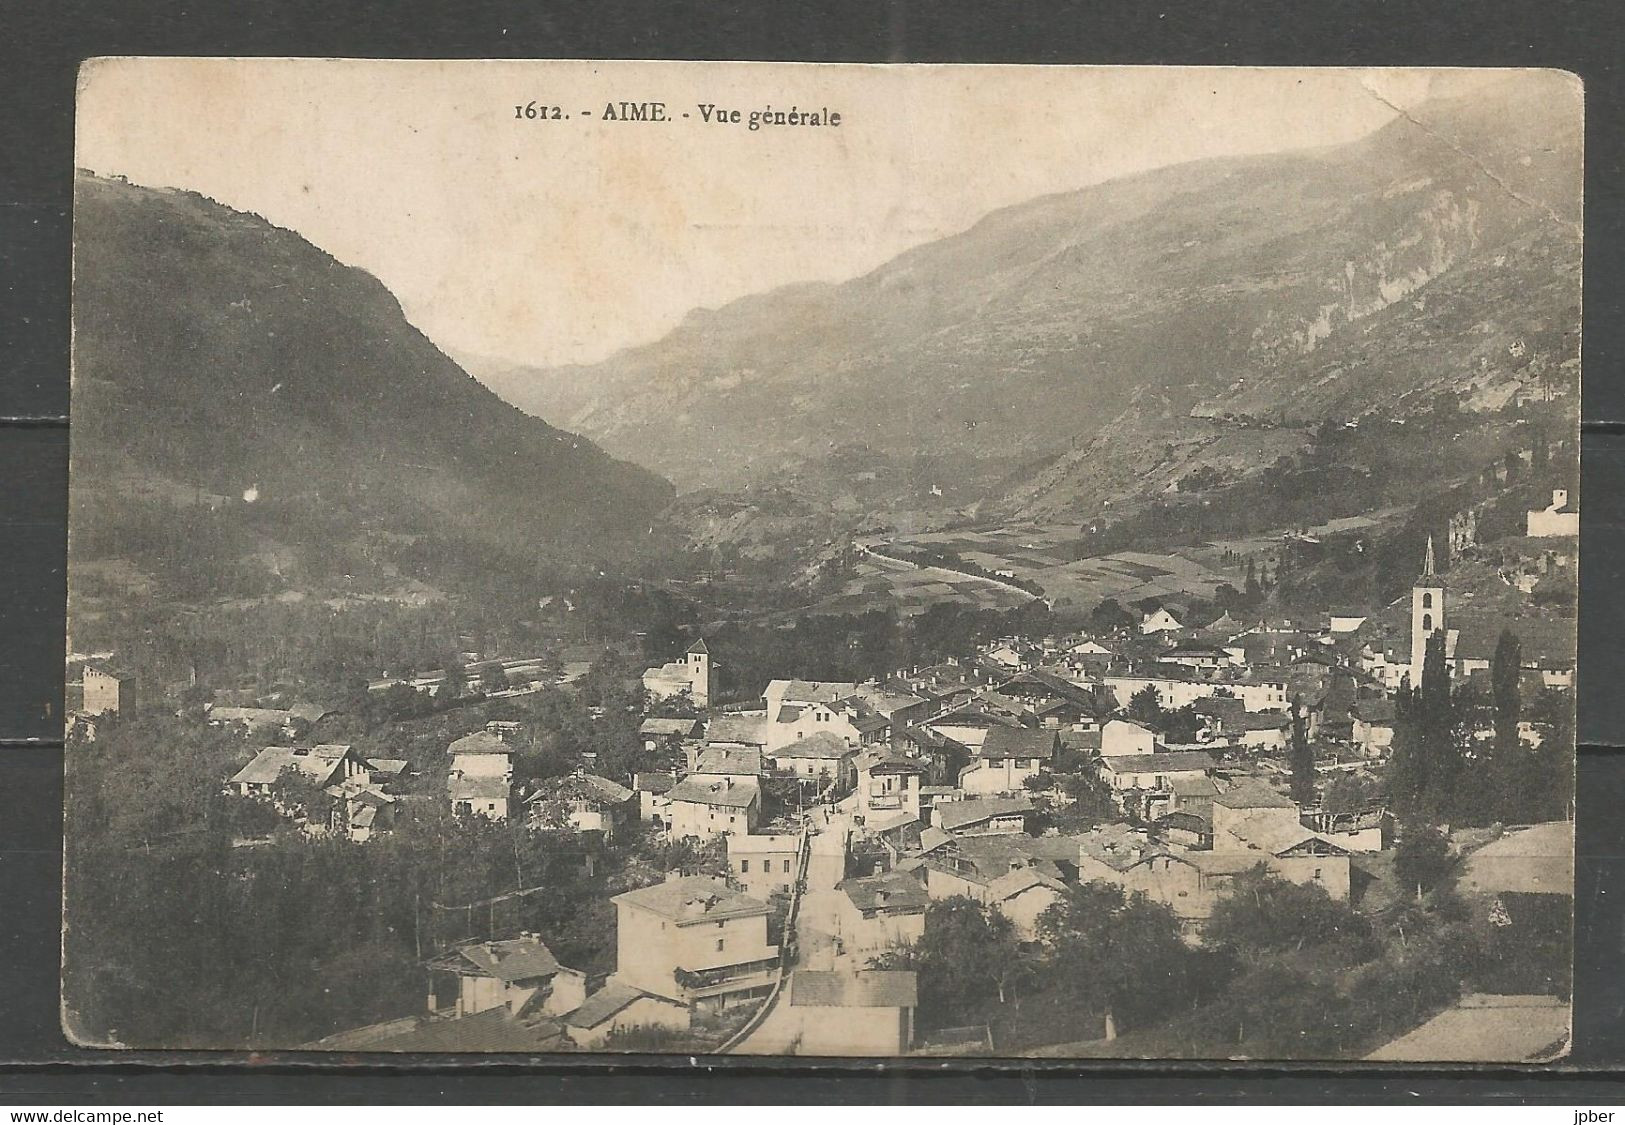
1048 556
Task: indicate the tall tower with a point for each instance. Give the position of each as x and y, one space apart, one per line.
1427 614
701 685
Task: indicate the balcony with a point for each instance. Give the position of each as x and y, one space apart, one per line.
698 983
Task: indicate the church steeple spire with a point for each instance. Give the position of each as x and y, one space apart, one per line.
1427 612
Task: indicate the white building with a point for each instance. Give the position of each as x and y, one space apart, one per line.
1558 519
706 807
694 676
1159 621
797 709
694 940
1259 693
1119 736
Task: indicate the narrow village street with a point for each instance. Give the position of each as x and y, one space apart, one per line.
818 946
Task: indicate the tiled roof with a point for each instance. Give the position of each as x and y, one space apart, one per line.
248 716
745 729
693 898
891 891
656 783
614 997
887 702
819 744
1193 787
315 762
477 788
722 760
1118 846
1018 742
956 815
581 787
525 958
884 759
697 790
1251 793
813 691
493 1031
1174 761
1546 641
1013 883
480 742
669 727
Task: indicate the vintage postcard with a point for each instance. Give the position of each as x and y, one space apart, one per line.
823 560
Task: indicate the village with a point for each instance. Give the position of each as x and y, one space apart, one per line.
1164 753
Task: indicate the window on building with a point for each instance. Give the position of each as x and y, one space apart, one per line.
719 945
1427 601
787 867
1427 622
744 867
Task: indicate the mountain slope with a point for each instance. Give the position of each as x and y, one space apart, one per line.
218 355
1211 287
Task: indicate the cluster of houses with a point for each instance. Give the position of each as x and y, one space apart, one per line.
363 792
843 810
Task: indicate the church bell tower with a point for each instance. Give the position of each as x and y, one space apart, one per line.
701 674
1427 614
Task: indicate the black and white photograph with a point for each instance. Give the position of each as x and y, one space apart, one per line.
828 560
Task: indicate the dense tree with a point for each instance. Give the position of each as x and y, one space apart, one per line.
1350 792
1041 782
493 678
1178 726
966 959
1501 772
1121 956
1276 1010
1263 913
1302 759
1145 706
1110 617
1426 763
1421 858
456 680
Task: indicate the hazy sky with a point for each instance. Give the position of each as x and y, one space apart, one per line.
545 242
